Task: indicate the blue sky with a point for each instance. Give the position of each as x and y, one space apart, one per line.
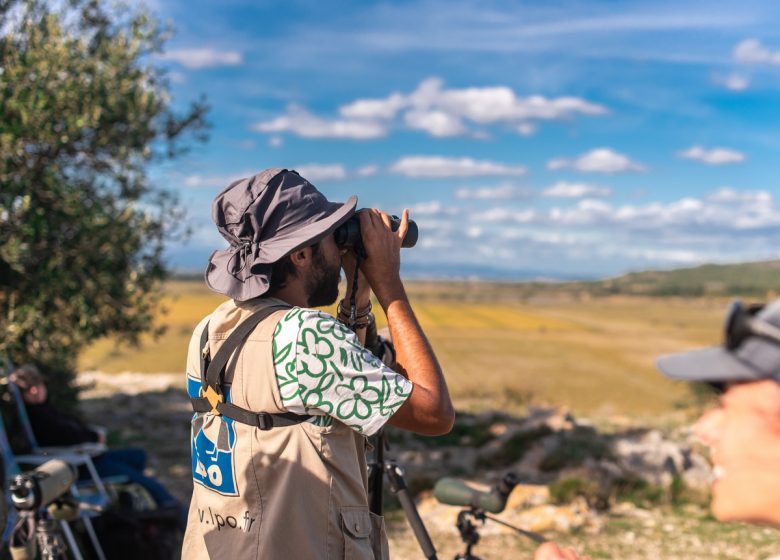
572 139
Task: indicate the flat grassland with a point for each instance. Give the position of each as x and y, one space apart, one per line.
499 349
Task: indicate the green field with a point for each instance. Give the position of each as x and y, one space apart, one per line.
594 355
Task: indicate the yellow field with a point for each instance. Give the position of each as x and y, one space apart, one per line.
595 356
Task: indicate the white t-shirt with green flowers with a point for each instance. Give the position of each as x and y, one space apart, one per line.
323 370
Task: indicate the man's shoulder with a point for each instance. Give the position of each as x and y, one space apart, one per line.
302 317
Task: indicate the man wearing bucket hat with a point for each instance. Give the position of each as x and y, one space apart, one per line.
285 395
743 431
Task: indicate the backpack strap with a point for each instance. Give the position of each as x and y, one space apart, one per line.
204 355
212 372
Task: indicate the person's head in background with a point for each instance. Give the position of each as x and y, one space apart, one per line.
31 383
743 430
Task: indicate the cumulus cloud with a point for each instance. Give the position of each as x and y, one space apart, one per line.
727 195
752 51
300 121
219 181
384 109
367 170
713 156
504 191
498 104
525 129
317 172
503 214
436 123
599 160
595 236
565 189
439 111
736 82
439 166
203 58
432 207
715 218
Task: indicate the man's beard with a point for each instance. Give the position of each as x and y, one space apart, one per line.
323 285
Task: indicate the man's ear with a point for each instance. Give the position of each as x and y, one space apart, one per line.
301 258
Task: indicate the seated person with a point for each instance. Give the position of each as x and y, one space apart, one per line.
53 428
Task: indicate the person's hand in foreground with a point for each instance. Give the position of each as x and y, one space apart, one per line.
551 551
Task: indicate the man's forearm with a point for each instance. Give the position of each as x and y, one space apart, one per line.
431 407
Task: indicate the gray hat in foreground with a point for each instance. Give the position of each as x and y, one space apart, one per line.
265 218
754 359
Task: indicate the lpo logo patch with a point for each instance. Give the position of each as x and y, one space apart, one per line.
213 442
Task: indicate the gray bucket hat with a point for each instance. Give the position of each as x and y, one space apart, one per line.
753 358
265 218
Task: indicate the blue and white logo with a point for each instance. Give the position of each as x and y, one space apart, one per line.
213 443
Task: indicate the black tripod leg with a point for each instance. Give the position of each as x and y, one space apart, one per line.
398 486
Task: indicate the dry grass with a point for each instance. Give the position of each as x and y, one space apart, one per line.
595 356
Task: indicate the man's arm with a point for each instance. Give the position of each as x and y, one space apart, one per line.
428 410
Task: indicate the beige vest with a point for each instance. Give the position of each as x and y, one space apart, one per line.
289 493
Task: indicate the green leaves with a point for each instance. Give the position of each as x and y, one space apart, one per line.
82 112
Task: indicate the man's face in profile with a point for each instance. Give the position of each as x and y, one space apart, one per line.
323 282
743 434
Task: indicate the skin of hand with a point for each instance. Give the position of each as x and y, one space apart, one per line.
428 410
551 551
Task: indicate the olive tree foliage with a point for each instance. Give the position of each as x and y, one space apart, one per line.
83 112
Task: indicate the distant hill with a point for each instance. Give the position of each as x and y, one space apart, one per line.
749 280
752 279
744 279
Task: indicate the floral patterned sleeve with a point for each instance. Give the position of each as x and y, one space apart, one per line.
323 370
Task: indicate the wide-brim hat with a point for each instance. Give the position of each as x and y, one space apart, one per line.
265 218
754 359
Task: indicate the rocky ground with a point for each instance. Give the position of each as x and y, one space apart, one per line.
614 492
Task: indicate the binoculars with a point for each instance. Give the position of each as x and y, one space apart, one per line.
348 233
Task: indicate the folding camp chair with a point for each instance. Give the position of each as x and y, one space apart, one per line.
11 468
75 455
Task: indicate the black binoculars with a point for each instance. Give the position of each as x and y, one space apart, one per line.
348 233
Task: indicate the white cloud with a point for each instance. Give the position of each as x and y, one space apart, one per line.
727 195
198 181
500 214
434 109
276 141
525 129
367 170
751 51
714 156
203 58
438 166
303 123
436 123
498 104
736 82
370 109
317 172
564 189
432 207
599 160
505 191
724 225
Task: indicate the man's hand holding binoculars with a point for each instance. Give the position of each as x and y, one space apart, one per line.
382 265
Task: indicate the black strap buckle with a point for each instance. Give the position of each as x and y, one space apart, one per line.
264 421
